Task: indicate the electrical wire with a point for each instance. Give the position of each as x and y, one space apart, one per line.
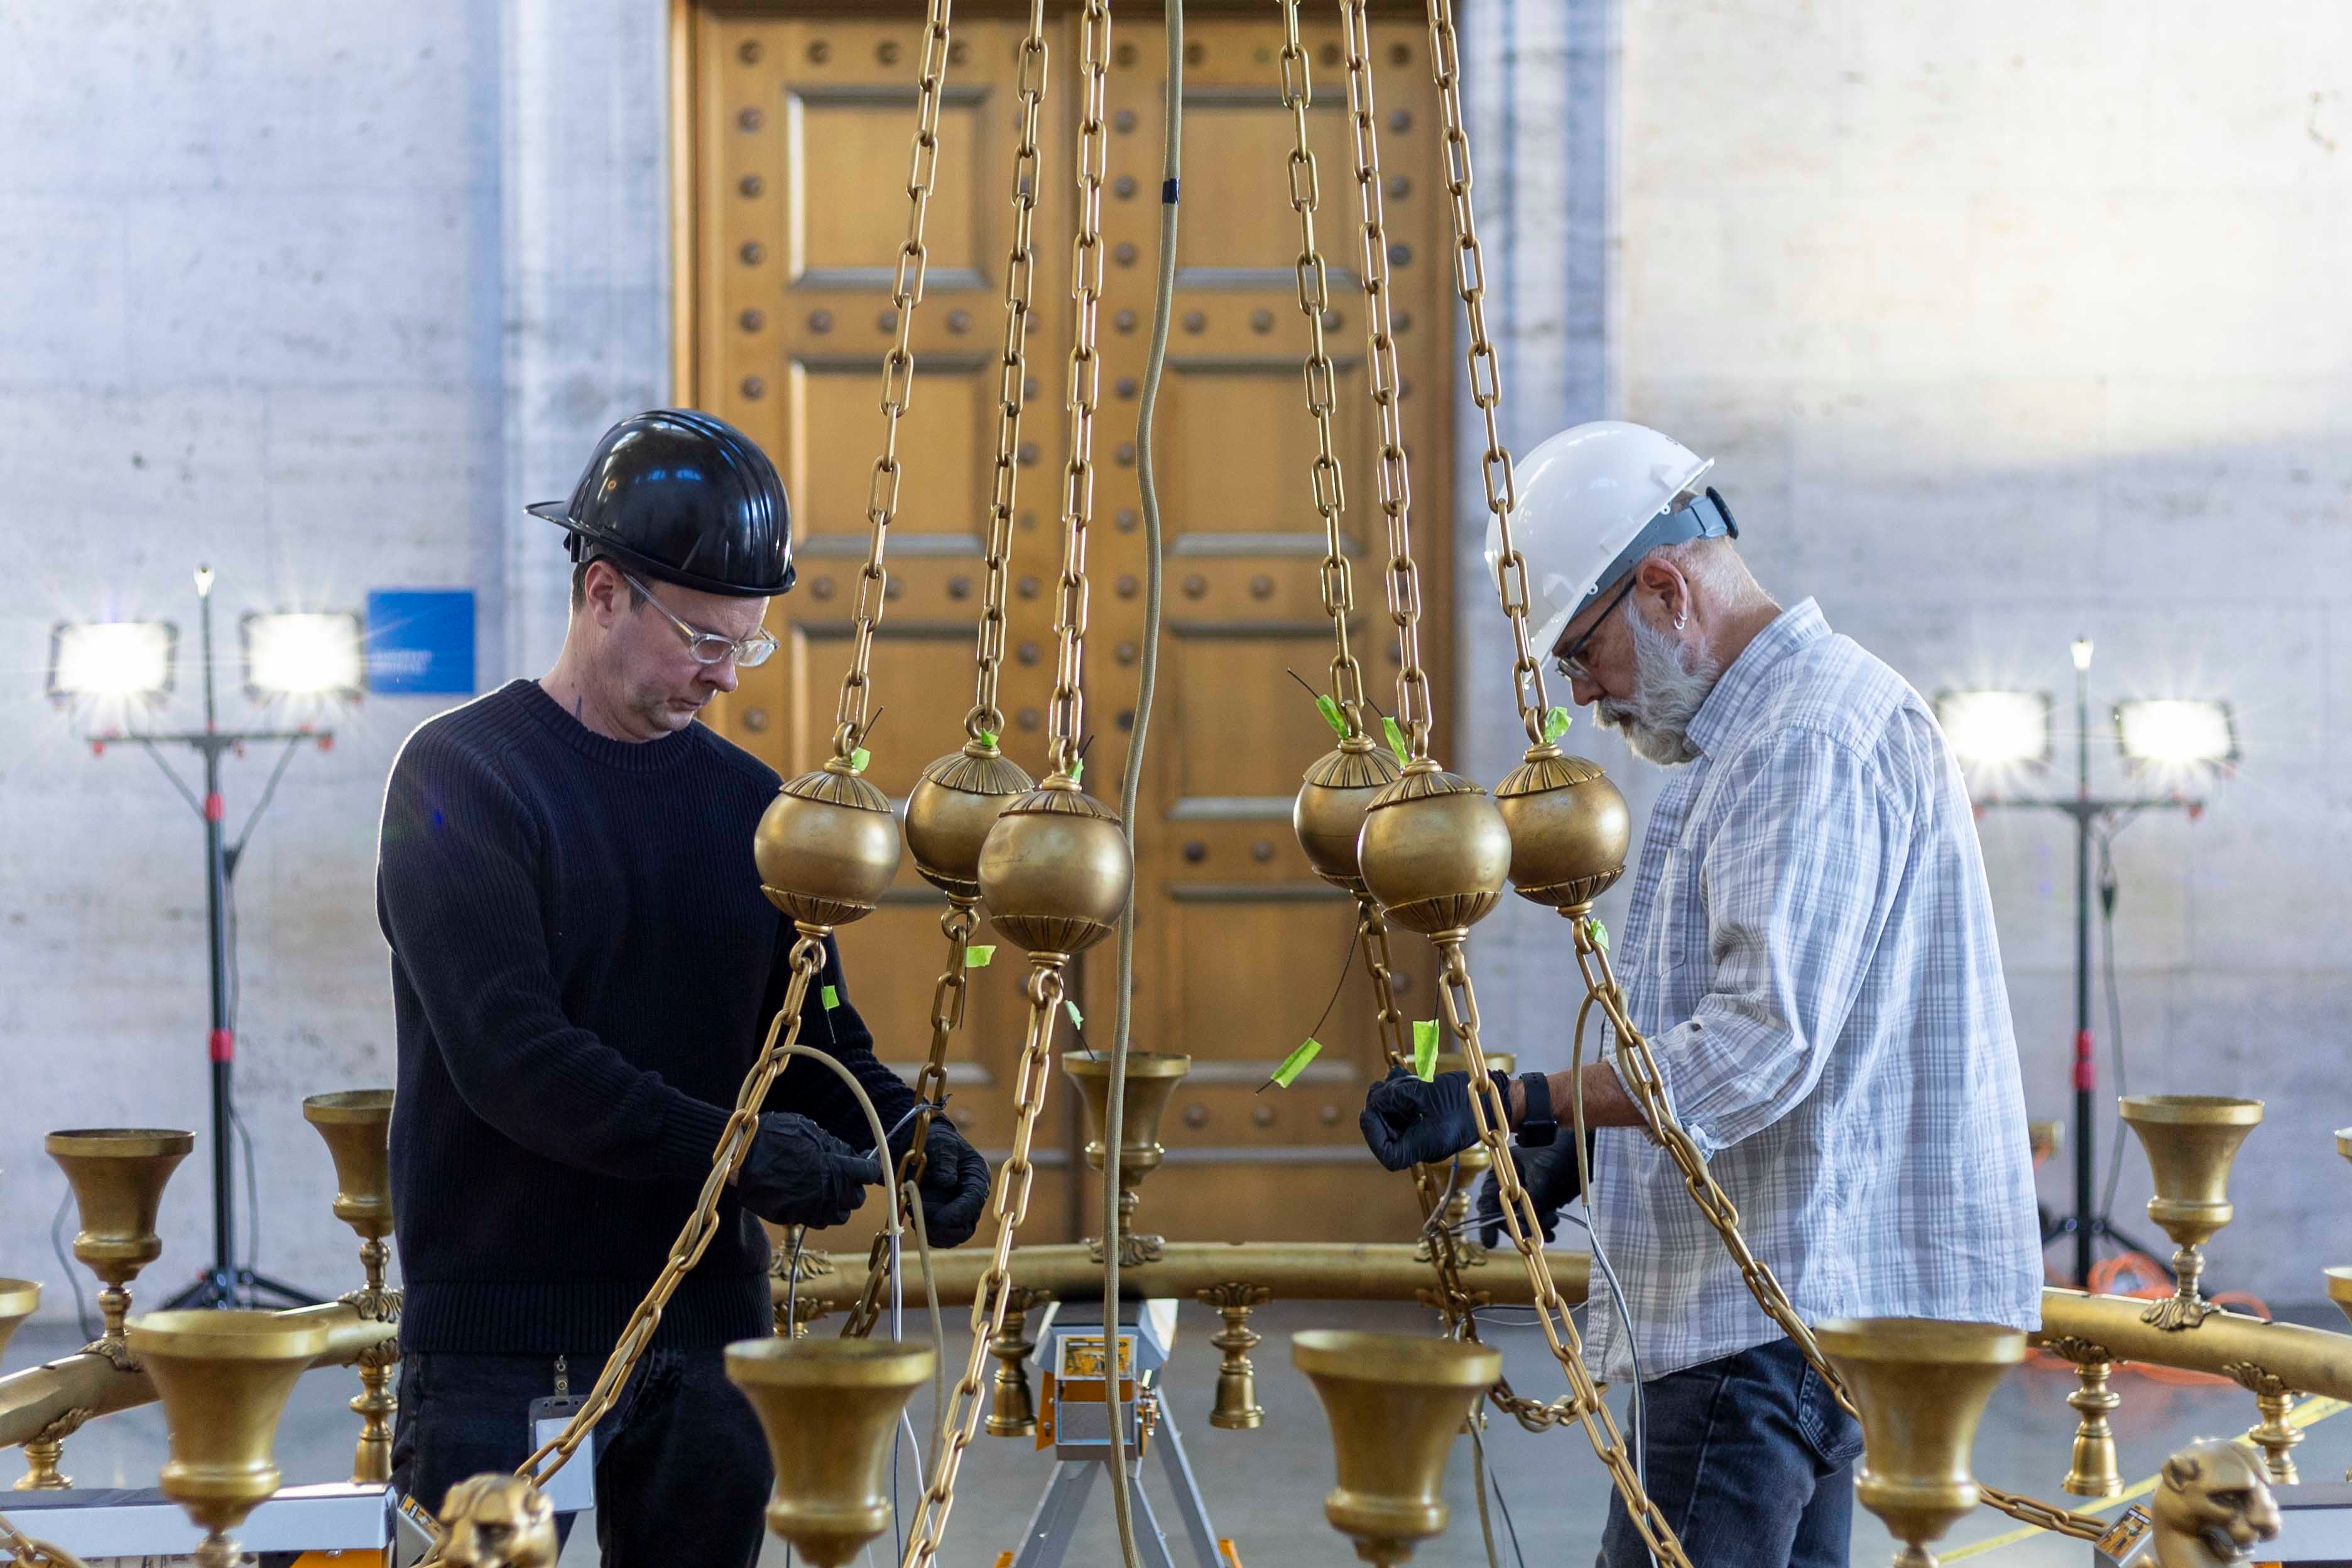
2109 886
1163 304
1638 1406
252 1190
65 1264
269 791
1478 1484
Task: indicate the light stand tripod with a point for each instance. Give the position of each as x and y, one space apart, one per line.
2088 812
227 1283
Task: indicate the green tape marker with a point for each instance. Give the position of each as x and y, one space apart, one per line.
1396 740
1077 1019
1294 1064
1555 723
988 737
859 759
1331 711
1424 1048
1599 932
977 957
1078 771
832 997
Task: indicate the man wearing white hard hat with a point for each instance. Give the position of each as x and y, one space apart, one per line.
1811 951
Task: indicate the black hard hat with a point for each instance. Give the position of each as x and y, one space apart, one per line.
684 497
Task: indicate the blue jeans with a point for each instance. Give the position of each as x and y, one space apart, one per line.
1751 1460
682 1473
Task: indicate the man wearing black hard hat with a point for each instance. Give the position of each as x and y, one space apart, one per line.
583 969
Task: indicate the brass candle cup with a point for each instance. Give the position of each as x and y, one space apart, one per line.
118 1174
356 1124
1151 1080
2190 1141
829 1408
1395 1403
224 1378
1921 1387
18 1298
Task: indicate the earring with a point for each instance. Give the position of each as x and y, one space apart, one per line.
1681 620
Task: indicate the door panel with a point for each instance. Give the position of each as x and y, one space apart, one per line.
833 409
800 123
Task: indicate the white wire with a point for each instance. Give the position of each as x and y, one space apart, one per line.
1633 1349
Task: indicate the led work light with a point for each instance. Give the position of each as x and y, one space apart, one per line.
2177 731
1996 728
303 654
110 661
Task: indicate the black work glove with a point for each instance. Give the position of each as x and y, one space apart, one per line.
1550 1177
1409 1122
954 1185
798 1174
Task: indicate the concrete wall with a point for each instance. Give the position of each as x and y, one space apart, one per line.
2012 323
263 304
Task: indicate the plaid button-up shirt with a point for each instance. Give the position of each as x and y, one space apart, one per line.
1811 952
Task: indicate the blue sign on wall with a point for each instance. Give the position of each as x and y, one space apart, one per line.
420 640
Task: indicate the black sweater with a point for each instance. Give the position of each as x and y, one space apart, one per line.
583 969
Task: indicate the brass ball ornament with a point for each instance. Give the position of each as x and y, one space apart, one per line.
1056 869
1434 850
1569 825
951 810
827 847
1329 813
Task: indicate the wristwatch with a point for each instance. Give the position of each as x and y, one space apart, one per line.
1537 1125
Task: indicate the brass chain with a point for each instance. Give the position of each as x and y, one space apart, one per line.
1492 1114
1485 370
1068 715
1325 479
958 923
734 1143
1452 1299
1638 1067
1633 1054
992 1293
1403 579
1373 932
1414 712
850 717
25 1552
2044 1515
1012 385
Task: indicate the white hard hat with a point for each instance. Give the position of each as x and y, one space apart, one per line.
1593 501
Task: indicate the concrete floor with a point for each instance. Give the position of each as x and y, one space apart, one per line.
1264 1488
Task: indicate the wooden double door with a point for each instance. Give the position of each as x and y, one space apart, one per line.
794 130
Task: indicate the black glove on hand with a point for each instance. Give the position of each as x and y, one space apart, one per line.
954 1185
1549 1175
1409 1122
798 1174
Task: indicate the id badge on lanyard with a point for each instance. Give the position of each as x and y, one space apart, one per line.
572 1488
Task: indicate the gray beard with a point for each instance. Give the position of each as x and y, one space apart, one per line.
1669 689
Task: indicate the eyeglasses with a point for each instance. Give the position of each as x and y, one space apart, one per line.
1564 659
710 648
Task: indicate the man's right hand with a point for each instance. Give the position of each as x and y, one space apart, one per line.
798 1174
1552 1180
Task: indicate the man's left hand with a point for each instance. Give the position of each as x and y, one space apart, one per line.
954 1185
1409 1122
